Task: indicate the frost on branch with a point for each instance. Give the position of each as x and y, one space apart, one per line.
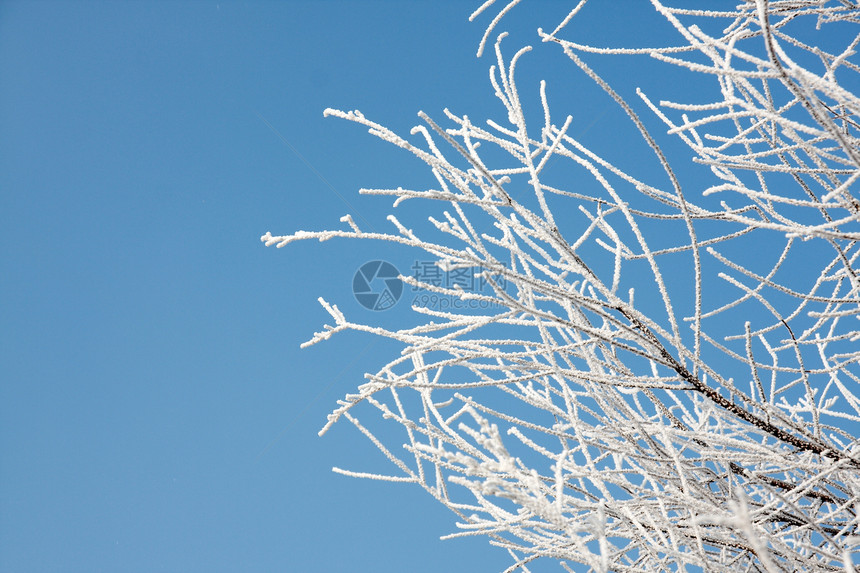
669 375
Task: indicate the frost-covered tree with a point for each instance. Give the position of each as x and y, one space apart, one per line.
665 376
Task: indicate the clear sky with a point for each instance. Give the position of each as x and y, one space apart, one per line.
156 412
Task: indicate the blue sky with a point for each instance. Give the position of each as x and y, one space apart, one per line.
156 412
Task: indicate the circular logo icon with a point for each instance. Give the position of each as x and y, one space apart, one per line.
376 285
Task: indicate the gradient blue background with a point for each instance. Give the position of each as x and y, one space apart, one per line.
156 412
